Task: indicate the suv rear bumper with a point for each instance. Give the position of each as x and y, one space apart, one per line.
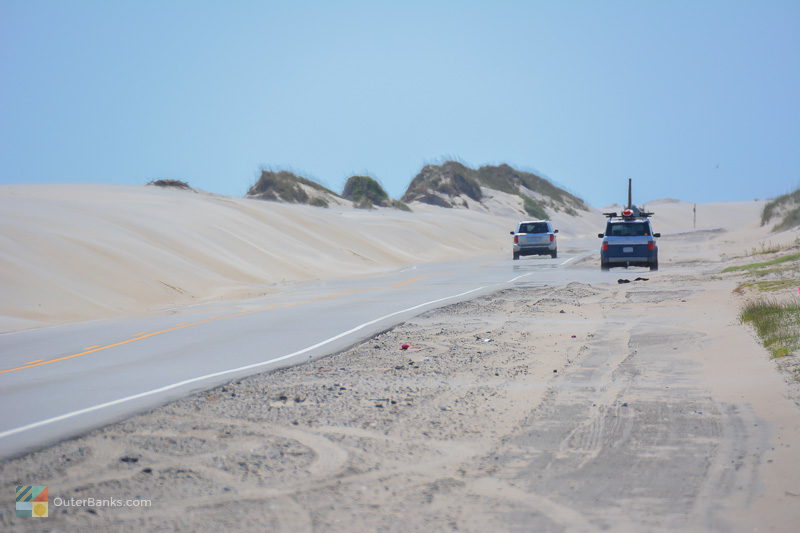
535 250
629 259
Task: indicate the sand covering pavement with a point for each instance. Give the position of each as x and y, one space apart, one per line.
642 406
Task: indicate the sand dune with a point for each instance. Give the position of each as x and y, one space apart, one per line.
76 252
79 252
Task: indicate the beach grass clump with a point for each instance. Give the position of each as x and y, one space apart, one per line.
285 186
786 208
318 201
397 204
776 323
510 180
764 264
768 285
441 184
365 192
792 269
767 248
533 208
175 184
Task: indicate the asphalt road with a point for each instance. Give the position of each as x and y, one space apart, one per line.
62 381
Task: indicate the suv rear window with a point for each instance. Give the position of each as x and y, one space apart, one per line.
628 229
534 227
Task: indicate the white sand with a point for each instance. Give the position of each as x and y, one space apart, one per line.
80 252
603 407
636 407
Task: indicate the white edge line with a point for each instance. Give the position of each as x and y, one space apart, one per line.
512 280
165 388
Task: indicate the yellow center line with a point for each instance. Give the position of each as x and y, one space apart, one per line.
487 263
407 282
143 335
88 348
138 337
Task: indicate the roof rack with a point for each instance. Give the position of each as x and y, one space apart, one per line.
631 212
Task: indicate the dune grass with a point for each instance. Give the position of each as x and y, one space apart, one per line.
756 266
285 186
177 184
768 285
786 207
777 324
769 247
453 178
533 208
776 271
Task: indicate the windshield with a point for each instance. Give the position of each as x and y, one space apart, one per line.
533 227
628 229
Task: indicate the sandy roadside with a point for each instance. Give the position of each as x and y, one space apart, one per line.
643 406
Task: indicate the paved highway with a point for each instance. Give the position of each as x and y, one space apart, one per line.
62 381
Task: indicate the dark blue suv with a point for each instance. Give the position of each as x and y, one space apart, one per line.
629 241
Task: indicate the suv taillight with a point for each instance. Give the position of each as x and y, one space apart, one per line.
651 245
605 246
516 239
552 237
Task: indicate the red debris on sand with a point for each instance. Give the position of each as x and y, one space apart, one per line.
405 347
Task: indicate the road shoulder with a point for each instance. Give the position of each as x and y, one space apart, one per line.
641 405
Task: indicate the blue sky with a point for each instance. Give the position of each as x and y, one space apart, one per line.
697 100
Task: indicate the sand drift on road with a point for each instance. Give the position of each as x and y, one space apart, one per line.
533 408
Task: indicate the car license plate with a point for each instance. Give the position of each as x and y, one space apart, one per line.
627 250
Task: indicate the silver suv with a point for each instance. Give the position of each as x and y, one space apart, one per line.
535 237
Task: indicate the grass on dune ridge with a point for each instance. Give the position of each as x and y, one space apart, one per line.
786 208
756 266
768 285
769 247
776 319
777 324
